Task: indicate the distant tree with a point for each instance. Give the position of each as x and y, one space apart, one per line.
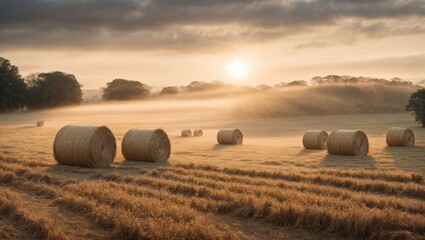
169 90
317 80
53 89
332 79
377 80
197 86
280 85
121 89
353 80
416 106
263 87
297 83
399 82
12 87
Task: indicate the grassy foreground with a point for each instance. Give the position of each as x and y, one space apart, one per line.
192 201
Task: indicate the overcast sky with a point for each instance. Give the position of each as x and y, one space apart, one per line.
174 42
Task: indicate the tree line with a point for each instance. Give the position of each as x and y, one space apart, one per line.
38 90
57 89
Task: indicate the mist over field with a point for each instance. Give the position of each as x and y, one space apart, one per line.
234 101
325 100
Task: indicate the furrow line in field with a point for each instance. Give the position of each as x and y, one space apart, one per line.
364 185
247 184
353 222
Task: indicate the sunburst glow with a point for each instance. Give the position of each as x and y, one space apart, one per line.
238 69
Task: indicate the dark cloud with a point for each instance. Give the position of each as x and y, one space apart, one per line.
348 32
386 29
151 23
177 39
315 44
151 14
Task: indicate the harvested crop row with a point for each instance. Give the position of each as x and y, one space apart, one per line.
7 232
354 222
312 195
28 173
141 206
220 180
25 162
31 222
284 195
140 226
393 176
126 226
208 205
355 184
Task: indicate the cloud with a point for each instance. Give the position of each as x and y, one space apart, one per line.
177 39
178 24
351 30
407 66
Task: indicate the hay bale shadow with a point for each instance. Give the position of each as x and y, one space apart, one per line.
348 162
144 164
73 173
221 146
401 151
124 168
309 151
407 158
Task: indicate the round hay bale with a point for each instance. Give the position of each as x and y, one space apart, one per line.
230 136
315 139
85 146
198 133
40 123
146 145
348 142
186 133
400 137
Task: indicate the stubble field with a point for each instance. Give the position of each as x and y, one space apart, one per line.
267 188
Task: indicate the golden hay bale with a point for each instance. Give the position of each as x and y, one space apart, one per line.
348 142
198 132
315 139
400 137
85 146
40 123
186 133
230 136
146 145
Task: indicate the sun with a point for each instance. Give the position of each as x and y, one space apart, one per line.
238 69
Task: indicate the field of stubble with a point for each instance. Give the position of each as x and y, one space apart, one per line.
267 188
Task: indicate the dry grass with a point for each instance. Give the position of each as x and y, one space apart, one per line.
408 189
201 202
128 217
29 221
6 232
268 188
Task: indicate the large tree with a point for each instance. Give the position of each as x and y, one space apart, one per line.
169 91
12 87
416 106
53 89
121 89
